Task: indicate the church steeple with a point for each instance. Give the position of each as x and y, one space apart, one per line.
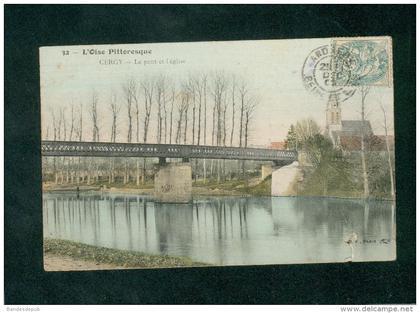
333 112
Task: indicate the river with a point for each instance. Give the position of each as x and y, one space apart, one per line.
227 230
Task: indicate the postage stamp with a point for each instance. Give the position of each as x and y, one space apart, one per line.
362 62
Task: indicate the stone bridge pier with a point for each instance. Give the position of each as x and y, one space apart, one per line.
284 178
266 170
173 182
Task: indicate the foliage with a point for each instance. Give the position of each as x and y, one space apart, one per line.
335 172
259 190
306 129
331 172
298 134
378 172
291 142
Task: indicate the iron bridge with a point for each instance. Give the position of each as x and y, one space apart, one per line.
111 149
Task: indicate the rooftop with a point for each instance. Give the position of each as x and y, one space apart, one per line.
355 127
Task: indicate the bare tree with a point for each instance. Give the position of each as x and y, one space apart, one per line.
59 124
72 119
249 112
198 83
54 121
243 90
182 108
78 128
94 116
186 97
148 86
224 126
115 109
129 91
195 92
305 129
364 90
243 95
55 132
249 109
219 87
166 98
172 99
224 131
47 133
61 136
63 122
233 87
95 128
137 113
69 172
80 138
213 132
391 171
161 106
190 87
213 126
204 83
81 122
179 122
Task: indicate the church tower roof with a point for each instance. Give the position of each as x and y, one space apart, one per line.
332 101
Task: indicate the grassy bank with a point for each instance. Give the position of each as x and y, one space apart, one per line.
310 186
237 186
317 184
210 187
129 259
129 185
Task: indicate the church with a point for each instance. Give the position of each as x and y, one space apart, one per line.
345 134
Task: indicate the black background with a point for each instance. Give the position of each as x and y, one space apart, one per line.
29 27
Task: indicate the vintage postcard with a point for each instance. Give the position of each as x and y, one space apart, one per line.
218 153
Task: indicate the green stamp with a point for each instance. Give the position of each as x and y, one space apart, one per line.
362 62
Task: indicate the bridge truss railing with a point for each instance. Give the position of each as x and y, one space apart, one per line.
109 149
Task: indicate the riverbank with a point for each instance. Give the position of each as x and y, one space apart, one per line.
65 255
234 187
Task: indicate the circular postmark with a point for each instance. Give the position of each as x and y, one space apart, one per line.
319 75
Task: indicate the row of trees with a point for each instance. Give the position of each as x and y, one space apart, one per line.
181 111
204 109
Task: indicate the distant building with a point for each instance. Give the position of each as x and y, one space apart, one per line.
346 134
278 145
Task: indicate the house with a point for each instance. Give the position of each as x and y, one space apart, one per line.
278 145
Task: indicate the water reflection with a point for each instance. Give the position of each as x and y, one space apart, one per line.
226 230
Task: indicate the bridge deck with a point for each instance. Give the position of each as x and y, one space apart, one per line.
110 149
